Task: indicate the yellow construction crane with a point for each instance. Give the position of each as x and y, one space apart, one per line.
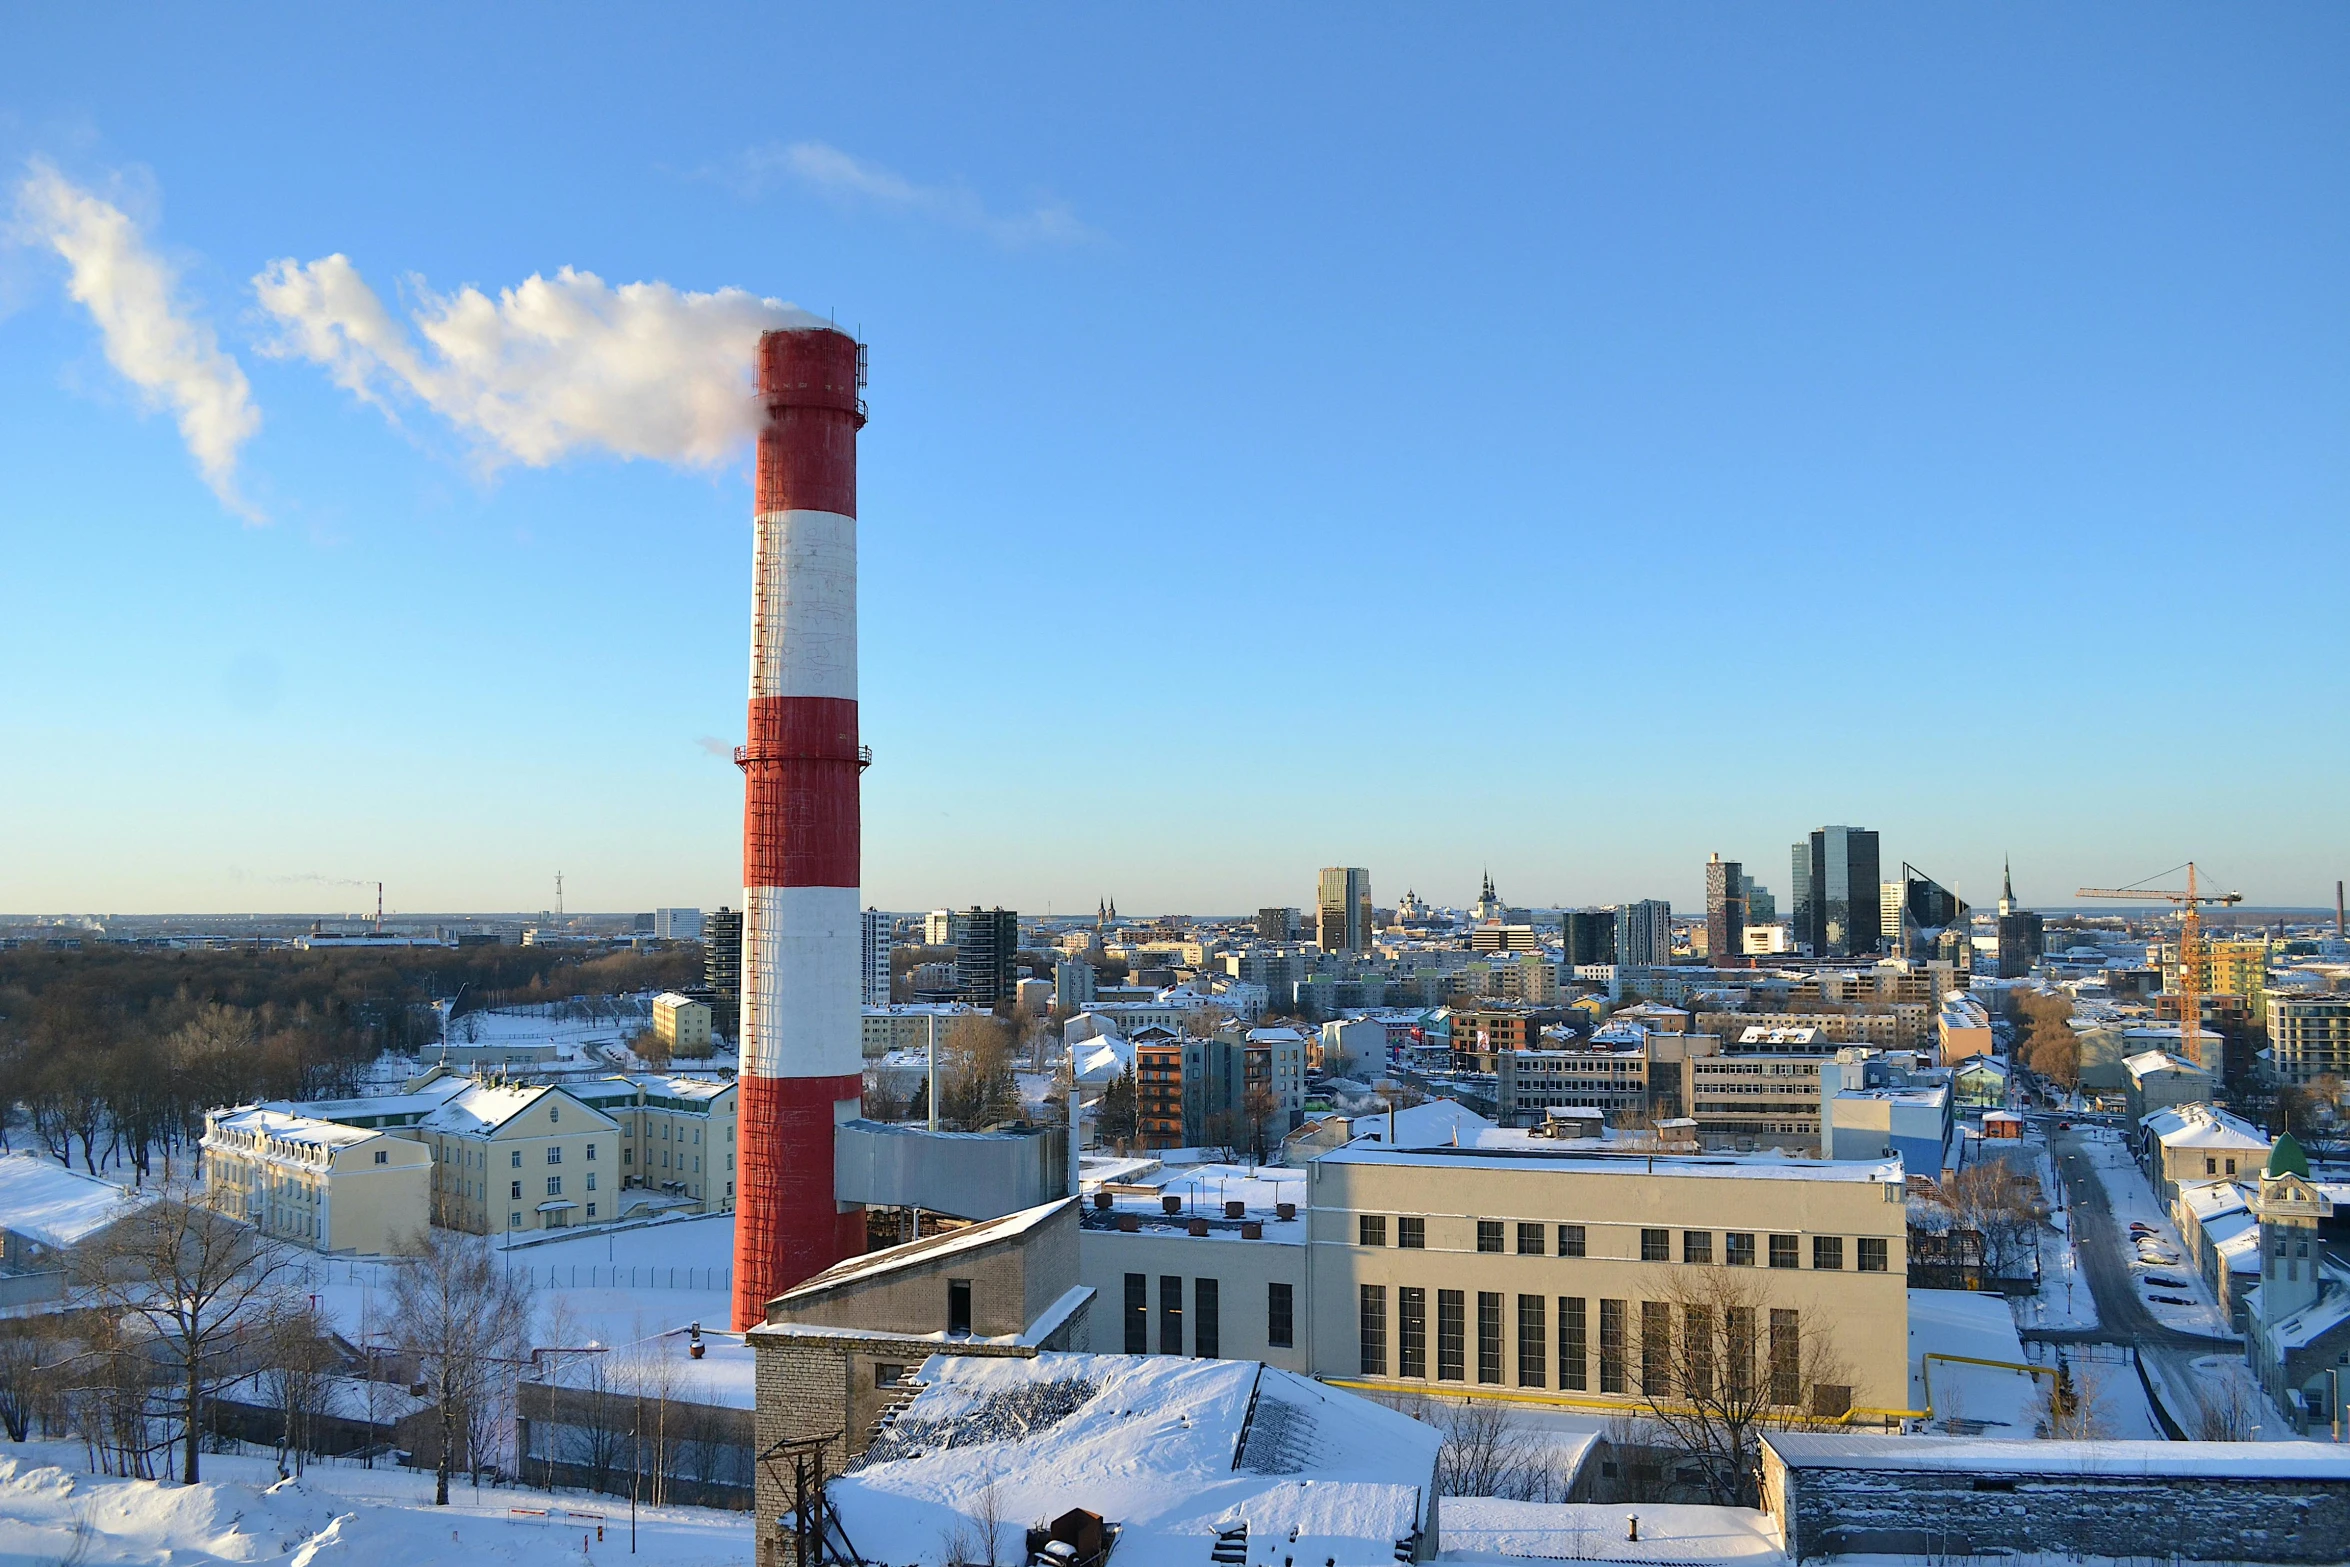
2190 904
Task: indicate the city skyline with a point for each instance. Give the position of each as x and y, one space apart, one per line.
2022 338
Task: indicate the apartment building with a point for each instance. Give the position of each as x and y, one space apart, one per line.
681 1025
508 1158
318 1184
2308 1036
1571 1275
677 1135
1163 1116
909 1025
2187 1145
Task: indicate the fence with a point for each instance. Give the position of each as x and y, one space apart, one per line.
620 1276
571 1276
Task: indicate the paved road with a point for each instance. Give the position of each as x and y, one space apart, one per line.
2122 1318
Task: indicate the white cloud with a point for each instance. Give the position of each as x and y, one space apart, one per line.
844 177
174 359
551 367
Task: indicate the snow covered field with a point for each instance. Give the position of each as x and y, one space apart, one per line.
2168 1283
336 1515
609 1286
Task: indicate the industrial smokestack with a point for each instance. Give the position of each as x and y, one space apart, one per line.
802 1060
2340 928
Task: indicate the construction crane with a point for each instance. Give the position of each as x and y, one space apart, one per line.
2190 904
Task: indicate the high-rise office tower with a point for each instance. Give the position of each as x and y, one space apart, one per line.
677 924
1343 909
1277 925
1589 936
873 958
1761 907
1725 912
1838 899
722 970
1644 932
984 967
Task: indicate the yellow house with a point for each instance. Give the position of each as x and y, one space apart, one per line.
512 1157
681 1025
676 1134
314 1183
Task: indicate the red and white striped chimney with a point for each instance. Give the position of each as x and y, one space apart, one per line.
802 1061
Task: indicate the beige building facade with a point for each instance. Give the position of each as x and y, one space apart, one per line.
316 1184
681 1025
677 1134
1566 1277
507 1159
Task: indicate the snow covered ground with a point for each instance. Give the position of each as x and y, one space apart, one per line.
2162 1268
2217 1393
1482 1529
607 1286
336 1515
2064 1299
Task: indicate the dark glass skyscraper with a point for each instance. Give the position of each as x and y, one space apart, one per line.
1838 904
984 970
1589 936
1725 912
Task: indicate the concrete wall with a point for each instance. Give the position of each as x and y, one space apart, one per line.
1938 1514
1242 1270
971 1175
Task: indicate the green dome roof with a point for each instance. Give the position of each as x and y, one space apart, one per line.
2286 1158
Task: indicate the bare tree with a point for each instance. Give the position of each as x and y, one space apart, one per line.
299 1361
975 1071
1717 1363
2222 1411
25 1345
463 1318
2004 1207
198 1279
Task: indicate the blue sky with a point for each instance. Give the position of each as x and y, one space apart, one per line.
1565 439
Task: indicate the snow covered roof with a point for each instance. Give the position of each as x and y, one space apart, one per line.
310 1131
2148 1062
1599 1161
1489 1529
1429 1125
2214 1199
52 1206
1174 1452
2202 1126
2313 1321
929 1249
481 1108
2258 1460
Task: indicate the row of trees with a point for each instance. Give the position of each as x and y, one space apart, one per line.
115 1053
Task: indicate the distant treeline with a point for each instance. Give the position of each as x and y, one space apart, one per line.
117 1051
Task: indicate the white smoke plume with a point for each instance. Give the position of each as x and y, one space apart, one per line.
130 291
552 367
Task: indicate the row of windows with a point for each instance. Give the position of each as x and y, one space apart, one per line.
1703 1356
1697 1246
1207 1328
